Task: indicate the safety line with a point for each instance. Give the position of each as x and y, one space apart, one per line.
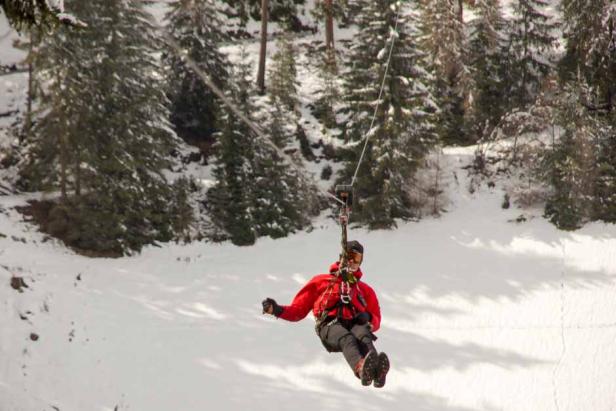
378 101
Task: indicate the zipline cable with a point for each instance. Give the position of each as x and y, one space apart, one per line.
378 102
257 130
345 192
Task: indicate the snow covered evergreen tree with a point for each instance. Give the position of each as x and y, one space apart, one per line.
196 27
26 14
256 192
102 137
444 39
530 51
229 201
329 90
403 129
487 59
590 35
605 185
283 82
279 10
572 164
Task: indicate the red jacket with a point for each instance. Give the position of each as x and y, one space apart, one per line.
315 295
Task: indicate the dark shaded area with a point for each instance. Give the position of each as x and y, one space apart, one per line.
53 219
18 283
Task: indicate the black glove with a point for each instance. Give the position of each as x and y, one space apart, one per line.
362 318
270 302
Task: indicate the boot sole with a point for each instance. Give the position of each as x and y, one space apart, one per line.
382 368
369 369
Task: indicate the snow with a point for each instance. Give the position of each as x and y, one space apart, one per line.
479 313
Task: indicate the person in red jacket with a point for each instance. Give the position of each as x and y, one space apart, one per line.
347 313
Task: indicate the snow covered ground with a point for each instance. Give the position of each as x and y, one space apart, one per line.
480 313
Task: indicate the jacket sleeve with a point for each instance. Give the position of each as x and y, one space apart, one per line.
301 304
372 306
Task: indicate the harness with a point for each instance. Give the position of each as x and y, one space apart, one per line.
345 194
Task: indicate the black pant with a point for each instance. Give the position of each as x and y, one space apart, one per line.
355 341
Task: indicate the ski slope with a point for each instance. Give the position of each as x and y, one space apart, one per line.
479 313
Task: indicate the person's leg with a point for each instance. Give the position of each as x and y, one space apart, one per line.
364 336
337 338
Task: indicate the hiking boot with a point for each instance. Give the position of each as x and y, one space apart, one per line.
366 367
381 370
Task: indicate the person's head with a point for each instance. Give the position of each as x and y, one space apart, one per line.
355 254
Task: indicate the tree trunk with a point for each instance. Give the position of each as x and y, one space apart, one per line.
63 165
329 25
261 72
30 97
461 11
78 173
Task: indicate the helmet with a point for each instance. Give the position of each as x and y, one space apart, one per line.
355 246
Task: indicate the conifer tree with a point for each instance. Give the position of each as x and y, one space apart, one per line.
196 27
605 185
256 192
403 128
444 39
27 14
229 201
279 10
325 105
572 165
530 50
590 35
102 136
283 82
486 61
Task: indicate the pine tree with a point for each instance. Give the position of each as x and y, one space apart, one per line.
279 11
444 38
605 185
102 135
282 200
403 129
256 192
530 50
283 74
486 62
229 201
589 32
28 14
196 27
572 165
325 105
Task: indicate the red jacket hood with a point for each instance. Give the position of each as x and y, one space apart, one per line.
334 268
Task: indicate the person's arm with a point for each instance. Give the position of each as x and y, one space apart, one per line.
372 306
299 307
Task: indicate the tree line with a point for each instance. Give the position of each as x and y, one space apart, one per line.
114 101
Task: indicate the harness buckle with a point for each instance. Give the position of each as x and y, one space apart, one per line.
345 295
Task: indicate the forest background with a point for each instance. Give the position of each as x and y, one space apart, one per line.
115 116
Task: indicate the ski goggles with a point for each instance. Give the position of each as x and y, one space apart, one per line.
355 256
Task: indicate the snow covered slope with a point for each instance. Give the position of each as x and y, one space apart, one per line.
480 313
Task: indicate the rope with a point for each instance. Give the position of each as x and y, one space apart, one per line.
168 38
378 102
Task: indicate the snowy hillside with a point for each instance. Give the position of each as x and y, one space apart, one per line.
479 313
483 308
